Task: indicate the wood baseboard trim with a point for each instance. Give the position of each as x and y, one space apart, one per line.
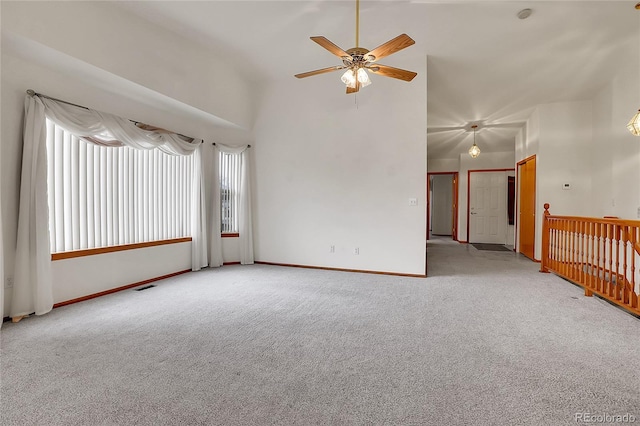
463 242
230 263
326 268
114 290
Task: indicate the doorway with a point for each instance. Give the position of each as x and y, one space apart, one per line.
488 212
442 204
527 206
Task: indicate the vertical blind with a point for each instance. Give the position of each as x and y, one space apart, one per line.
229 191
105 196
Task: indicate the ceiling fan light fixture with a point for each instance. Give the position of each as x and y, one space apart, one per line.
634 124
349 78
363 77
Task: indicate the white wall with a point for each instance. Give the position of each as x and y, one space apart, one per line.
443 165
486 161
615 152
78 277
564 157
34 64
333 169
120 43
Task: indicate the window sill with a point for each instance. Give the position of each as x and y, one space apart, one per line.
111 249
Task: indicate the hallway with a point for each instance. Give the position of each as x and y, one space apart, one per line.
532 338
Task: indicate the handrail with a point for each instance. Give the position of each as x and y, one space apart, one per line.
600 254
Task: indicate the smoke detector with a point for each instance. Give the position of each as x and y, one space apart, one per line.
525 13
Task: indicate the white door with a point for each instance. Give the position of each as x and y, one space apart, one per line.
488 207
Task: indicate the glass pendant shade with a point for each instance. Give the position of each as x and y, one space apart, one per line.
363 78
474 151
634 124
349 78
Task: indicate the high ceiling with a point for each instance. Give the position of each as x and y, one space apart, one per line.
483 63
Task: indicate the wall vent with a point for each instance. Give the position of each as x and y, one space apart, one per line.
145 287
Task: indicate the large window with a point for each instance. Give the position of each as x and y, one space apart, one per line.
229 167
106 196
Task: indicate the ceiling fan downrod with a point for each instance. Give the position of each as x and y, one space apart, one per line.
357 23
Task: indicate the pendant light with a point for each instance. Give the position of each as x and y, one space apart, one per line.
474 151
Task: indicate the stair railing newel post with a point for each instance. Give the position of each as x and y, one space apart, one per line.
544 259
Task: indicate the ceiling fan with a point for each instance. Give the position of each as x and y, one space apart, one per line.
358 59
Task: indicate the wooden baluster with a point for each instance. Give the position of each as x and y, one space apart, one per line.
624 275
553 256
572 249
587 253
610 240
565 245
596 266
592 231
583 251
579 251
633 239
544 258
618 285
552 246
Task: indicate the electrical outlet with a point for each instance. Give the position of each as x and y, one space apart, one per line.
356 250
413 201
332 249
9 282
638 213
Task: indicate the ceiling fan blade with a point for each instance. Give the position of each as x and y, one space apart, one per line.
324 42
320 71
392 72
392 46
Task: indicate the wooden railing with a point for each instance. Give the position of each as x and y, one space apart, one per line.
601 255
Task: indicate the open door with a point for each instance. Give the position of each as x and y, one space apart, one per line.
442 204
527 211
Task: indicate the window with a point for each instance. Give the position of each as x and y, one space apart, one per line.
229 167
106 196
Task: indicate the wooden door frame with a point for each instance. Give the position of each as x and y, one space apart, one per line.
469 191
516 224
454 201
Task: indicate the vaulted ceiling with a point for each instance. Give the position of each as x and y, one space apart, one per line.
483 63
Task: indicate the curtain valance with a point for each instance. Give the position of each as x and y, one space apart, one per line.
110 130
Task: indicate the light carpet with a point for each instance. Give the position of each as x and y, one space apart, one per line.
485 340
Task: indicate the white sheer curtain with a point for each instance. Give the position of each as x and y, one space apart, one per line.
245 230
215 240
32 289
198 214
108 129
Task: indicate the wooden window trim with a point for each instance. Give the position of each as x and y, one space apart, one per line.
111 249
230 235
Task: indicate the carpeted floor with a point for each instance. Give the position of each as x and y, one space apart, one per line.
485 340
